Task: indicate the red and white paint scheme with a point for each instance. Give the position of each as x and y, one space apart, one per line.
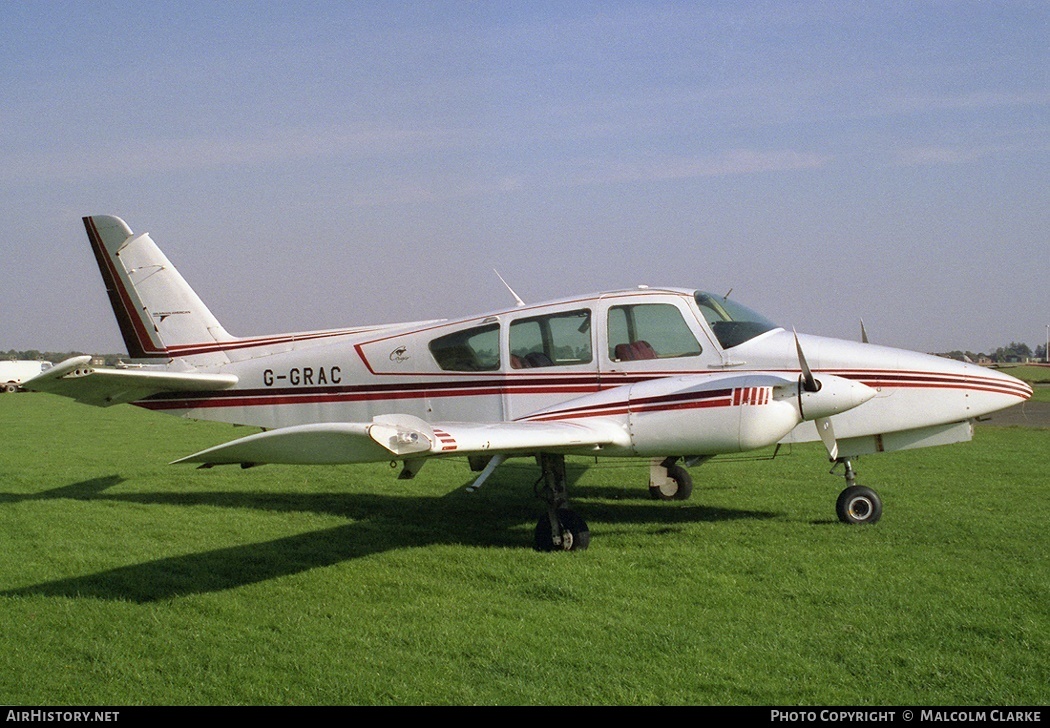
666 374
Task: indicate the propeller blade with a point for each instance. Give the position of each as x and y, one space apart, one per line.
827 436
809 383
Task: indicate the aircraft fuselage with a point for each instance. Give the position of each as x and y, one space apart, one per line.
354 377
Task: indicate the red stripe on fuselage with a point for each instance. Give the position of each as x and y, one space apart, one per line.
562 385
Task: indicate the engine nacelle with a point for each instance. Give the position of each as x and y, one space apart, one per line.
733 413
704 415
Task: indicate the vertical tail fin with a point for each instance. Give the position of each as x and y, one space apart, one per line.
159 315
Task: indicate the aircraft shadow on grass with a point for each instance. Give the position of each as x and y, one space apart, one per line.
380 523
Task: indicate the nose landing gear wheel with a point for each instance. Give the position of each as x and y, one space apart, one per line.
858 504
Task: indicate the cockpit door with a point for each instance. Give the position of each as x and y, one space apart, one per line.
550 359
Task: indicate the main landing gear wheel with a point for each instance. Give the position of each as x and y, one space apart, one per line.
560 529
678 485
573 534
857 503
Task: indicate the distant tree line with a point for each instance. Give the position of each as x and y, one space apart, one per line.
1015 352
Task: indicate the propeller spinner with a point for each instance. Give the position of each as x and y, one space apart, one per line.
819 400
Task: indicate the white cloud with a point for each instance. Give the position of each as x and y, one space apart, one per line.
732 162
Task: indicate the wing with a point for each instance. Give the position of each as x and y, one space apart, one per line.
76 378
405 437
712 414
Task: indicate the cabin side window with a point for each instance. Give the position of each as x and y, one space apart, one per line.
649 331
558 339
469 350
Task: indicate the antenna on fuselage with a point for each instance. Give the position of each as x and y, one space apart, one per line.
516 298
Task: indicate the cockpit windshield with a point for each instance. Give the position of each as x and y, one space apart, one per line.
732 323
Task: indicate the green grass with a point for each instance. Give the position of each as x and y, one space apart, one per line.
124 580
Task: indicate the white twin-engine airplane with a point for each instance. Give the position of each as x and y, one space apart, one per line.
666 374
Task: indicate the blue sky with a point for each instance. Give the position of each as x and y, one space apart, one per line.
314 165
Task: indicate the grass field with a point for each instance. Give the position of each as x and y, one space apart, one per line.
124 580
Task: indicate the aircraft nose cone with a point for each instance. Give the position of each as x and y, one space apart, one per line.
836 394
990 391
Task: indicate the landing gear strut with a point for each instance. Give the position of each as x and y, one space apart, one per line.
560 529
857 504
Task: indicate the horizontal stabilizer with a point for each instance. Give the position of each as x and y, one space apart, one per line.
103 387
392 437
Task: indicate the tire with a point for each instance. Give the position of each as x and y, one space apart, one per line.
682 489
576 536
858 504
11 387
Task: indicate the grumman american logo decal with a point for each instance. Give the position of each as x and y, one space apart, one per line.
164 314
